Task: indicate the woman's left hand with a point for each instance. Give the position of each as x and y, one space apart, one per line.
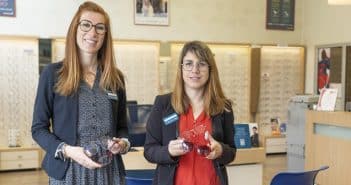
215 146
117 145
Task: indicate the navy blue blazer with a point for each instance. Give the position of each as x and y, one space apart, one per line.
158 135
55 120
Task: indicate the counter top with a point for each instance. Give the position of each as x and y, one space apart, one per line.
135 159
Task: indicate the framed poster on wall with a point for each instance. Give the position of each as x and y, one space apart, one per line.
151 12
323 69
280 14
329 68
8 8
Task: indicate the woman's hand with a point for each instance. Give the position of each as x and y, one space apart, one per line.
77 154
175 147
117 145
215 146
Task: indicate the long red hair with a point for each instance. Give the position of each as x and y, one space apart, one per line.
71 73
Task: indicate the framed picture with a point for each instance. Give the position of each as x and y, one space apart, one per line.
280 14
329 68
323 69
8 8
151 12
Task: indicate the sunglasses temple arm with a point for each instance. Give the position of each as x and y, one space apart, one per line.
177 129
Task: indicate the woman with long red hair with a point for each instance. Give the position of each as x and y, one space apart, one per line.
80 110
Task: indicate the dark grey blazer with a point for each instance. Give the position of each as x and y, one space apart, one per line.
159 134
62 112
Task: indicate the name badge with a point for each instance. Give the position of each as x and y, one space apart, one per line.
111 95
170 119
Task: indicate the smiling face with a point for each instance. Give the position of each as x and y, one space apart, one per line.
195 77
89 42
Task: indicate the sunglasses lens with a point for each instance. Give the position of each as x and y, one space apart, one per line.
104 160
91 150
187 146
203 150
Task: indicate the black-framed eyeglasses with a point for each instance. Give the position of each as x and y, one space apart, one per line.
189 65
86 25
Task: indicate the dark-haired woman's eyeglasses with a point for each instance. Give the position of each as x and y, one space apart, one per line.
189 65
86 25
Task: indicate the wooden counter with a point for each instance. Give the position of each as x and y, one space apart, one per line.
17 158
135 159
273 143
247 168
328 142
249 156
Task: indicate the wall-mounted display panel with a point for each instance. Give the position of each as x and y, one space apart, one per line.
282 76
19 74
138 61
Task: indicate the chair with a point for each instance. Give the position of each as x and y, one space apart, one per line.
297 178
139 177
132 110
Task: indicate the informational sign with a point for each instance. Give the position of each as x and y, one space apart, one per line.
242 136
327 99
8 8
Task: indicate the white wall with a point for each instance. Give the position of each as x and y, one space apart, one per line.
239 21
208 20
323 24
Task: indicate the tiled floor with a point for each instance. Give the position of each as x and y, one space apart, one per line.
272 165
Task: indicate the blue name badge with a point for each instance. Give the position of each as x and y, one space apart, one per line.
170 119
111 95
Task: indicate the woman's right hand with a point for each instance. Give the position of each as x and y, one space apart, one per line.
175 147
77 154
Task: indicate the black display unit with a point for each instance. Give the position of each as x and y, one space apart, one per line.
45 53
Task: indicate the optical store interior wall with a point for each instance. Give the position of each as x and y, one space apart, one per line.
220 21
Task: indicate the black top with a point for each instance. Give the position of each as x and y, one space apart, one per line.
62 111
